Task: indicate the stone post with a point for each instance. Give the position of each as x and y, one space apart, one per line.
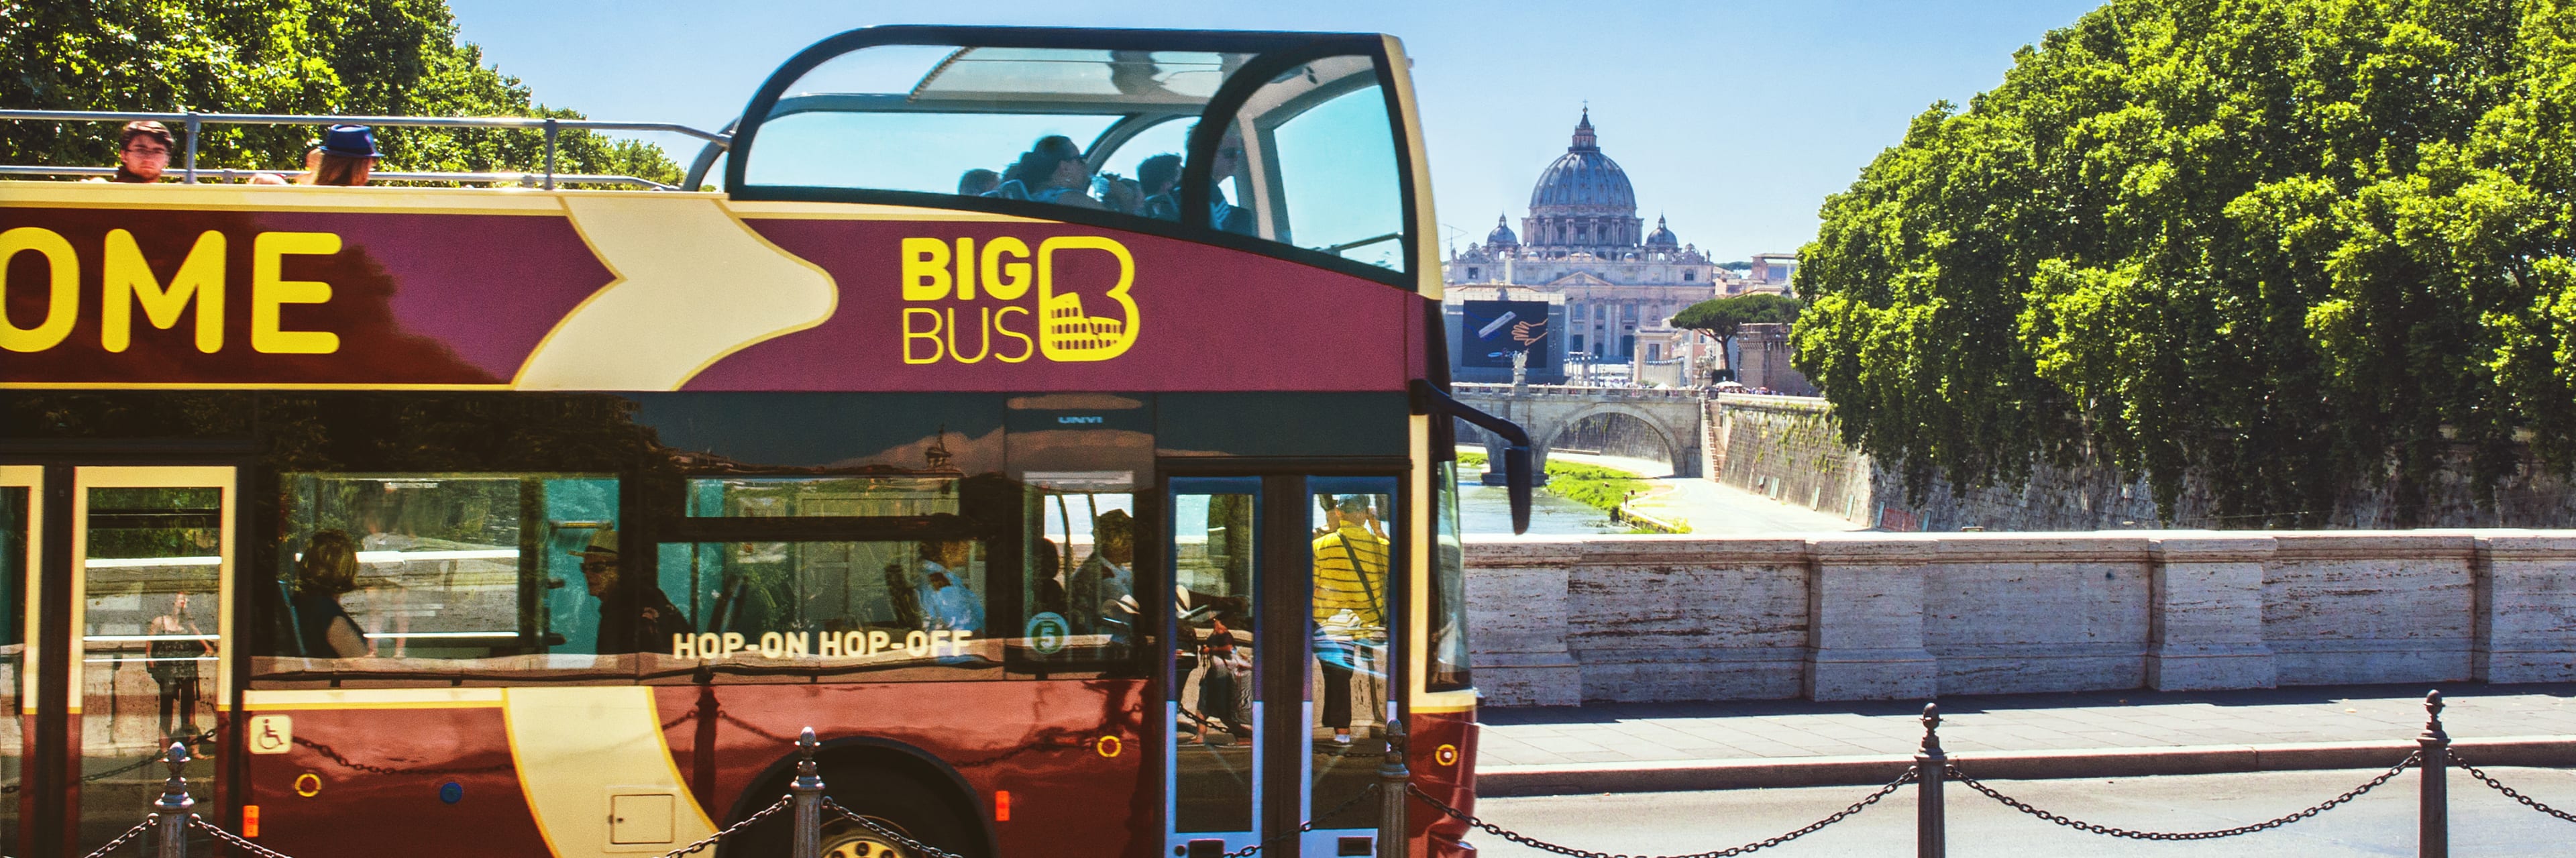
1865 619
2526 609
2207 614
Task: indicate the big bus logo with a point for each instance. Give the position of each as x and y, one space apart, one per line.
961 296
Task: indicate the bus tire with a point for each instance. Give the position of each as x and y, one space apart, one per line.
895 800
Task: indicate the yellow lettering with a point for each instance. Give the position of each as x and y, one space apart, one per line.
799 645
831 645
957 641
960 354
965 269
856 646
772 645
684 646
995 270
878 642
1028 346
732 643
129 281
939 638
909 334
62 304
925 269
1067 331
708 645
269 291
916 644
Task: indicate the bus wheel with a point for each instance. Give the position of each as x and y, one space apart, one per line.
845 839
898 803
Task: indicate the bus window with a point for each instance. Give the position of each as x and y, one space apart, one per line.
17 553
785 611
759 497
1039 121
1080 592
1310 161
1353 555
1448 597
444 573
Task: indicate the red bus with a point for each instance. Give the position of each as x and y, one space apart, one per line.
1101 506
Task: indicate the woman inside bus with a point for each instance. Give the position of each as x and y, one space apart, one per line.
328 570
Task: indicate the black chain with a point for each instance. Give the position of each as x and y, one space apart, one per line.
1309 825
710 840
226 836
2356 792
1911 773
915 845
149 820
154 757
2498 786
334 756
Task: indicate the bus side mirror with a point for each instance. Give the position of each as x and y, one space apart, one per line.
1518 479
1518 475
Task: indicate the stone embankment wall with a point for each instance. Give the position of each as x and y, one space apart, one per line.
1560 621
1790 449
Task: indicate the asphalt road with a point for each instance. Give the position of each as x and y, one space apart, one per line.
2483 822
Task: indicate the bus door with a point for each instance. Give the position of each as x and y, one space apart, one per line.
117 578
1277 694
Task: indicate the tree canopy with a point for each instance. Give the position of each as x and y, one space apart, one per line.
399 57
1720 317
2293 247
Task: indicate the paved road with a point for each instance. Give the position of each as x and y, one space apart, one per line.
1775 729
1710 506
2379 824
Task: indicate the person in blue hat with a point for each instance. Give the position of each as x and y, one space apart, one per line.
348 153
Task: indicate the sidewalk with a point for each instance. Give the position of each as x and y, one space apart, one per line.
1644 747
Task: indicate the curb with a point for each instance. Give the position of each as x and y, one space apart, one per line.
1694 775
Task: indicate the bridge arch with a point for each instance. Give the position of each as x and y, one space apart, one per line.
1675 454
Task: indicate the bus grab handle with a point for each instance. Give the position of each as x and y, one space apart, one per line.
1518 476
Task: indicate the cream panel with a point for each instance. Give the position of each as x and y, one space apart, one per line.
694 285
575 748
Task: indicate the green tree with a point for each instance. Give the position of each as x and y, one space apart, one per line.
2293 247
1721 317
399 57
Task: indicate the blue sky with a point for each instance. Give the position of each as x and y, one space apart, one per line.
1734 119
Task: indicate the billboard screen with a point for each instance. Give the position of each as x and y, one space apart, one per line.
1493 330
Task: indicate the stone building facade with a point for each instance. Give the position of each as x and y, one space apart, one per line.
1584 240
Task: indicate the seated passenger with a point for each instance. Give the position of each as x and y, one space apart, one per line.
142 152
1228 164
328 570
1159 179
348 155
1016 183
312 164
650 626
946 601
1101 595
978 182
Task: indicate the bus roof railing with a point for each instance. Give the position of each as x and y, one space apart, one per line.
229 174
193 120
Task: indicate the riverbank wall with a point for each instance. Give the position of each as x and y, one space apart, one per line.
1557 621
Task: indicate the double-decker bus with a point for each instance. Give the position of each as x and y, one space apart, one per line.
1107 512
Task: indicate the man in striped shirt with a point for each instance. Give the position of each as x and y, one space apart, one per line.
1350 604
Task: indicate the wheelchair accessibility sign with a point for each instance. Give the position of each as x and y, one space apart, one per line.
271 734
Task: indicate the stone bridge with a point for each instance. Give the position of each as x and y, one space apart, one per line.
1547 411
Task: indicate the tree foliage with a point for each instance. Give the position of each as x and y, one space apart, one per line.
398 57
1720 317
2293 247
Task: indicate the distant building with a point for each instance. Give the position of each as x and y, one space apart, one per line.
1761 356
1583 240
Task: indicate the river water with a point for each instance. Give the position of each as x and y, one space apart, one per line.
1488 509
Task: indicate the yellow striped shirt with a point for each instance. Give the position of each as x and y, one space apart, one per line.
1340 587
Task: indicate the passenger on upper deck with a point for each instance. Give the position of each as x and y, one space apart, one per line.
1228 163
142 152
977 182
348 155
1159 178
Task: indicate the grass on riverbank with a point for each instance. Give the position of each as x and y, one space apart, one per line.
1591 485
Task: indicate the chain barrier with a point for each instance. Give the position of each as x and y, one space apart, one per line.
155 757
2509 792
2329 804
1911 773
890 834
200 823
149 820
1308 825
710 840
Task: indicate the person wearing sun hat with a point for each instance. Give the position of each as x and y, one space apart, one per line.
646 629
348 155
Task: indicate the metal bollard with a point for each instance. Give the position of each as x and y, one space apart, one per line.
174 806
1393 779
807 793
1928 767
2433 826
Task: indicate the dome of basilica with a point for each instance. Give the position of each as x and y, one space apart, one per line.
1663 235
1502 235
1583 177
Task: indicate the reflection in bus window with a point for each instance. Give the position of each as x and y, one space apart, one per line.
16 543
444 571
1080 590
1352 556
757 497
834 607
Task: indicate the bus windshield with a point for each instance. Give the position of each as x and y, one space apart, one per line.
1306 157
